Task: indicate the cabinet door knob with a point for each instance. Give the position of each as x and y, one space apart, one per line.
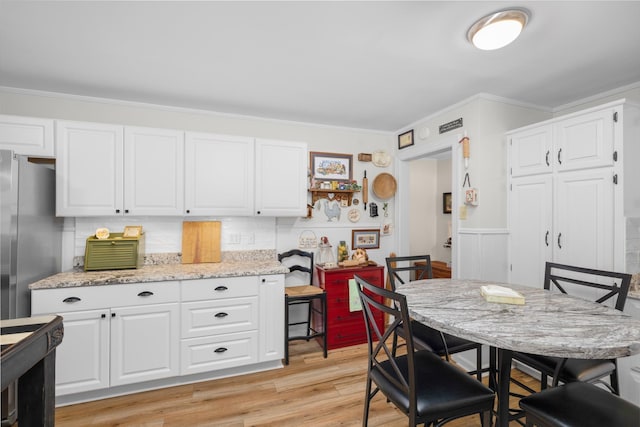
117 210
559 156
145 294
221 315
220 350
559 241
71 299
188 211
221 288
546 158
546 238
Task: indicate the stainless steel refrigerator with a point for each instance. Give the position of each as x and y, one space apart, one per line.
30 238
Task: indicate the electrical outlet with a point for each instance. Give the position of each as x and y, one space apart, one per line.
233 238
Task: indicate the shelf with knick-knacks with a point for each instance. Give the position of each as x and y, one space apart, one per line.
344 197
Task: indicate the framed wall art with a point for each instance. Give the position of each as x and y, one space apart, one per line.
405 139
446 203
331 166
365 239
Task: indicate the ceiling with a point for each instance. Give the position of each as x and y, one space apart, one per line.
373 65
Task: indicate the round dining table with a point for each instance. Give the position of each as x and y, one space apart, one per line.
548 323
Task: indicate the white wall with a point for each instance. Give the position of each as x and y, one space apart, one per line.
164 233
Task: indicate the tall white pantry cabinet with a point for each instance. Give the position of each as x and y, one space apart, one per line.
573 180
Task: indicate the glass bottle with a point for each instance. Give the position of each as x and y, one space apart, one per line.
343 251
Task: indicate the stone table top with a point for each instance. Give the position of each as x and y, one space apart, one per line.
549 323
159 273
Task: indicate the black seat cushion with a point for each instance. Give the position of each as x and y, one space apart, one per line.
580 405
585 370
441 389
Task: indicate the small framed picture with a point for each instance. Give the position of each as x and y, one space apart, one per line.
446 203
405 139
365 239
331 166
132 231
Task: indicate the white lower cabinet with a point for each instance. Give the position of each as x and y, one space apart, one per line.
219 323
272 317
144 343
123 335
114 334
82 360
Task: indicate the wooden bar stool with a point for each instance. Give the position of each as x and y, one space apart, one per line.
301 295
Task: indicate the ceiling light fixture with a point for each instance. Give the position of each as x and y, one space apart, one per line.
498 29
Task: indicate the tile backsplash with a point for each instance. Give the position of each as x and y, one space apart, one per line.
164 234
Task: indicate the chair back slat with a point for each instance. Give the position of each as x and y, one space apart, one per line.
379 341
396 265
296 258
556 274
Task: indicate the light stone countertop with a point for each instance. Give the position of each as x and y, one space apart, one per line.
159 273
549 323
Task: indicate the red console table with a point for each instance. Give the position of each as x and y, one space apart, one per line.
345 327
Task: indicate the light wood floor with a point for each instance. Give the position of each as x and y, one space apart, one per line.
311 391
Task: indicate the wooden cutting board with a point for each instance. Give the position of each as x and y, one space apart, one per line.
200 242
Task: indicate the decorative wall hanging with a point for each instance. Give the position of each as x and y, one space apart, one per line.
365 239
446 203
307 240
405 139
331 166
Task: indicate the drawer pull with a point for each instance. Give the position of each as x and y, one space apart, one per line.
145 294
71 299
220 350
221 314
221 288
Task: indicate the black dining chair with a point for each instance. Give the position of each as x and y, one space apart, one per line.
301 262
424 337
610 287
424 387
578 405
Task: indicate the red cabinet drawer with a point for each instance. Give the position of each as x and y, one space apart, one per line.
345 327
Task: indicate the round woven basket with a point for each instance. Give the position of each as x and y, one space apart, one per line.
384 186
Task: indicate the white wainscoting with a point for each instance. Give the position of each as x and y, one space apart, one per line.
482 254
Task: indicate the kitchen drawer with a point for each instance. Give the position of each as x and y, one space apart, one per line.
218 352
228 287
201 318
95 297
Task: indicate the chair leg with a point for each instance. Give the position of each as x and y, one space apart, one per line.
367 400
613 378
323 300
543 381
309 314
286 330
479 363
485 418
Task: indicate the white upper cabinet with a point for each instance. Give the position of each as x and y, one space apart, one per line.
577 142
153 171
30 136
89 173
219 175
531 151
104 169
281 178
585 141
567 186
